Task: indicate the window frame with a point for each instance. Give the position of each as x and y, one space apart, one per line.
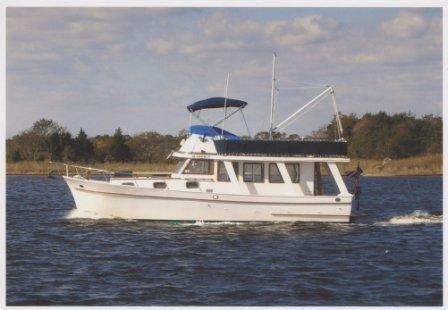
279 174
180 165
252 172
210 171
235 169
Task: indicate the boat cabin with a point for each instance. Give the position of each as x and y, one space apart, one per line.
212 160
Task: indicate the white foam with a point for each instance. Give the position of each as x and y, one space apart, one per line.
415 218
202 223
84 214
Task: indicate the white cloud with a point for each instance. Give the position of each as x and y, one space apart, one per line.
127 60
405 25
223 25
222 32
301 30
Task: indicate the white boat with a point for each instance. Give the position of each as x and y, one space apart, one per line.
221 177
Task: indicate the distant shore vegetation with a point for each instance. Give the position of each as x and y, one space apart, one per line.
372 136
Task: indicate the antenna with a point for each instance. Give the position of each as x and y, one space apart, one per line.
225 103
273 90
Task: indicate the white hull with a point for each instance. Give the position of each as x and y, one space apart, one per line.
102 199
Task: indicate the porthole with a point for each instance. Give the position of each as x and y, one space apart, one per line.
192 184
159 185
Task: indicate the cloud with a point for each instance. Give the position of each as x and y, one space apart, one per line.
221 32
409 37
405 25
301 30
223 25
138 63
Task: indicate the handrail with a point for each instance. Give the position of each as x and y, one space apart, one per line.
83 167
86 169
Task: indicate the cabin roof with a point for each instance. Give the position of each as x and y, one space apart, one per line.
281 148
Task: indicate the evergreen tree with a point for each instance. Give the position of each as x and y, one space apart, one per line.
57 143
119 150
82 147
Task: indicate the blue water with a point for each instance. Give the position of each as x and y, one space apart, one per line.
392 254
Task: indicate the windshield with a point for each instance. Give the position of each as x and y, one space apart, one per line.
179 166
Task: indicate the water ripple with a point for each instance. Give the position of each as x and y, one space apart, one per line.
391 255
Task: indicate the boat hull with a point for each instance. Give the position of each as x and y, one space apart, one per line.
104 200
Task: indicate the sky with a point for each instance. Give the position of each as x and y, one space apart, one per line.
138 68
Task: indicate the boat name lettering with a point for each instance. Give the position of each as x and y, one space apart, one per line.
199 156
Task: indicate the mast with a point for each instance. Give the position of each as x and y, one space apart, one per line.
225 103
273 89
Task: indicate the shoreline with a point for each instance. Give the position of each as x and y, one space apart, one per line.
427 165
39 174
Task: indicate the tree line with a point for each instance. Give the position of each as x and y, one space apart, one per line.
377 135
47 140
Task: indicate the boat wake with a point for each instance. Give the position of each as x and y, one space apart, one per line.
417 217
84 214
202 223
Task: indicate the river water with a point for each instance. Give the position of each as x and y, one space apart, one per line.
392 254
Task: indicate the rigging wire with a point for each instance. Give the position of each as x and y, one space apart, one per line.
247 127
303 83
307 109
300 87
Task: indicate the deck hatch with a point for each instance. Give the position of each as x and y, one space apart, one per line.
281 148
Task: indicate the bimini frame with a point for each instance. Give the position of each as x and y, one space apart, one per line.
218 102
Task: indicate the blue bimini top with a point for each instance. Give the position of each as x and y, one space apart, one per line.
211 131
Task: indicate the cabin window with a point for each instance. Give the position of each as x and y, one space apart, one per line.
199 166
274 174
222 171
294 172
253 172
192 184
179 166
159 185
